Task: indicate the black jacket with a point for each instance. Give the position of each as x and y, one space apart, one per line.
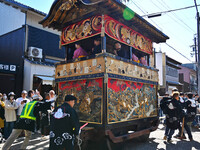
28 124
97 49
173 114
190 111
64 125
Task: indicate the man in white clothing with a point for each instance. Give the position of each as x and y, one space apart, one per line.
21 101
52 97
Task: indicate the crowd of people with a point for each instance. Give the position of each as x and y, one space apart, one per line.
11 109
32 113
180 113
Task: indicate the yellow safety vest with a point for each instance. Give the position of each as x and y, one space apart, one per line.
27 111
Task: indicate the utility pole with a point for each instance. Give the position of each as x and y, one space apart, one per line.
196 60
198 44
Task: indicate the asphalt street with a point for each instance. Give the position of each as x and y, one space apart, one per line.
155 142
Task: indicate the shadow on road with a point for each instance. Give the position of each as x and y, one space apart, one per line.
186 145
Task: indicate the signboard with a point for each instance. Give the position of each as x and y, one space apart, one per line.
8 68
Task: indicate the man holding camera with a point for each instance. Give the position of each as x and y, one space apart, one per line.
21 101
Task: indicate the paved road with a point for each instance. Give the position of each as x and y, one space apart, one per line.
155 142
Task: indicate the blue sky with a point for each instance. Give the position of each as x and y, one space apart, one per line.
180 26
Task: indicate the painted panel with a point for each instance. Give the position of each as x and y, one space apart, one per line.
126 35
113 28
130 100
89 94
81 30
85 67
130 70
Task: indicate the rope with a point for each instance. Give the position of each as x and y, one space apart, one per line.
79 141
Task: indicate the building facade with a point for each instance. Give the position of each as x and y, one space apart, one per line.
28 51
168 73
187 76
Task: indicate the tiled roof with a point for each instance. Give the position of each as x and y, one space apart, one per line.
40 63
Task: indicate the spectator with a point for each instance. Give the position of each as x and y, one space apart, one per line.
2 117
26 122
45 118
30 95
38 98
10 114
52 97
79 52
4 97
21 101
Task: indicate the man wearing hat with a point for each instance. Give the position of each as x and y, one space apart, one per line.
21 101
64 125
26 122
173 113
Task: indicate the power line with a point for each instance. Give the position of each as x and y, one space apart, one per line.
178 51
172 10
160 28
175 35
145 14
166 6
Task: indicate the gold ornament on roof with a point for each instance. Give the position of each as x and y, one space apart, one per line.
67 5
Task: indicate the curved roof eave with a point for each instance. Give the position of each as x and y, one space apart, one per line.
160 36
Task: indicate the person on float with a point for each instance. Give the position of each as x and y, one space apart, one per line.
97 46
79 52
118 51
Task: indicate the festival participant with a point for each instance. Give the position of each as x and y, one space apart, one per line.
10 114
79 52
97 46
64 125
26 122
173 113
118 51
143 61
190 108
135 58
